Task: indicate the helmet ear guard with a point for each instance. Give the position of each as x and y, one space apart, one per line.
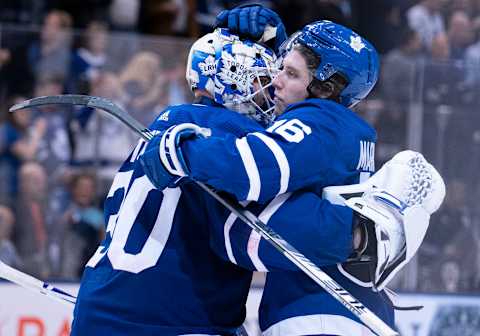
330 88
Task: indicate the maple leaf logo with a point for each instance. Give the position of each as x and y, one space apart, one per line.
208 67
237 70
356 43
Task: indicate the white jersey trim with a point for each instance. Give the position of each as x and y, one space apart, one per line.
281 160
136 150
352 278
317 325
255 238
272 207
252 251
226 234
250 167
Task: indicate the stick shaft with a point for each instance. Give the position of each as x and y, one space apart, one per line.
27 281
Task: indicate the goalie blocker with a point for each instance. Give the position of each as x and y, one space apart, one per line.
394 208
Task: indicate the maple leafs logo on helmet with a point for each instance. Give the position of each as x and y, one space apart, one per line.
356 43
208 67
234 71
237 74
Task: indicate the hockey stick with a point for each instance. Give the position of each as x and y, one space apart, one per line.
309 268
36 285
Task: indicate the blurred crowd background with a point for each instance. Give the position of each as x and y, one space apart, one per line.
57 162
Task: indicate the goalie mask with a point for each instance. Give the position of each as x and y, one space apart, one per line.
237 74
341 51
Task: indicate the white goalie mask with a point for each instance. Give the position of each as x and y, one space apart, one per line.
237 74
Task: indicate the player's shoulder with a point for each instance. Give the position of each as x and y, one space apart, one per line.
326 114
183 113
312 106
215 117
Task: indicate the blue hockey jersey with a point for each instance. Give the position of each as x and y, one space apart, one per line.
165 266
314 144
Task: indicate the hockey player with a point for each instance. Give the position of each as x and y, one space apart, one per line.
316 141
159 270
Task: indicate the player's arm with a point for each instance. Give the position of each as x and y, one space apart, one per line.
305 146
391 213
261 165
294 153
320 230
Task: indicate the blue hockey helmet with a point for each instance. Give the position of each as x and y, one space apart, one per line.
341 51
236 73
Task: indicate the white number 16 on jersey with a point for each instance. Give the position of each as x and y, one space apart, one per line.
291 130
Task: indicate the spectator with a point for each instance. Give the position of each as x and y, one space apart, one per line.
205 13
31 235
123 14
466 6
21 12
82 12
450 274
177 88
398 78
440 73
452 227
50 55
81 226
158 16
390 15
54 151
100 141
472 59
89 59
460 34
143 85
447 105
8 251
4 56
399 68
20 141
307 11
426 18
475 15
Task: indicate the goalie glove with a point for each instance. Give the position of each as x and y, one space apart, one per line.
394 207
255 22
162 161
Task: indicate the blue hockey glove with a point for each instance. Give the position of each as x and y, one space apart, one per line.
163 161
253 21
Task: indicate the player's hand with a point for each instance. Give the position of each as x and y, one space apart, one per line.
163 161
252 21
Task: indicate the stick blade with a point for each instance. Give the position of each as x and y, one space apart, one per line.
69 99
